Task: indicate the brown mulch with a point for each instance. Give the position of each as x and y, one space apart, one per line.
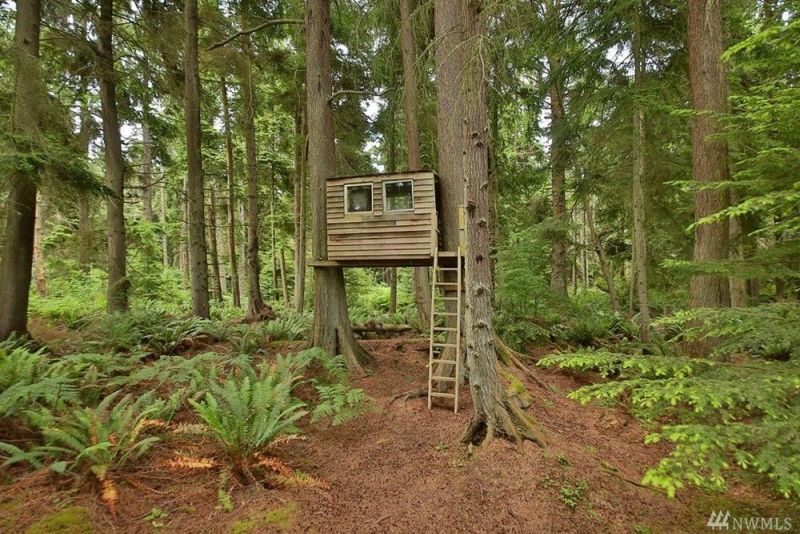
402 468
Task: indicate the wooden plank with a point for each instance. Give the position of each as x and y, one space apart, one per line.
380 241
377 253
401 234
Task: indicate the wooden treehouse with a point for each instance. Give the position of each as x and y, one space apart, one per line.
393 220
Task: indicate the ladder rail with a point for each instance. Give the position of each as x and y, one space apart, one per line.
433 360
433 322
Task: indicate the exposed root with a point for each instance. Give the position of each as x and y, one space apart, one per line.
413 394
511 358
263 313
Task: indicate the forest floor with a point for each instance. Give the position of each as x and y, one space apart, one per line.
401 468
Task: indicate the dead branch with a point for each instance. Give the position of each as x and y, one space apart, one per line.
254 29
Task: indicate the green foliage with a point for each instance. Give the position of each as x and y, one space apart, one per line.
151 331
98 440
247 414
723 417
767 331
573 494
339 402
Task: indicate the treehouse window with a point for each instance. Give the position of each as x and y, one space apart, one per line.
398 196
358 198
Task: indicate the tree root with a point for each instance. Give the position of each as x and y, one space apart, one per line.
413 394
510 357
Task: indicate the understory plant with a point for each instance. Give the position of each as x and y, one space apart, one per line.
96 441
736 411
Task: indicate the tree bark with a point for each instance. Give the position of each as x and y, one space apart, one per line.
493 413
421 279
449 27
198 254
231 205
558 273
284 284
216 278
709 155
299 208
147 171
118 282
84 200
256 308
332 330
165 238
638 184
273 251
38 251
15 266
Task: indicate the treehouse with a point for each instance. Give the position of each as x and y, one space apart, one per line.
383 220
392 220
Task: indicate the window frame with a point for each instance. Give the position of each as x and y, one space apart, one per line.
385 198
371 199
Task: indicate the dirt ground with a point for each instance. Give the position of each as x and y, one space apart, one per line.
401 468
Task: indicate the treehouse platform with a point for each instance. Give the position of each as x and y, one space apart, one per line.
384 220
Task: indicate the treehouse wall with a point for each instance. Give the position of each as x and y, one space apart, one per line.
364 231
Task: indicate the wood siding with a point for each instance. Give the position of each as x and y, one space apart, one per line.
380 235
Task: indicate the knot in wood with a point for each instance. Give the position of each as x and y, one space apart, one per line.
479 257
471 206
482 223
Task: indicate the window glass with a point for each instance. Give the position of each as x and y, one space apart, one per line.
398 196
359 198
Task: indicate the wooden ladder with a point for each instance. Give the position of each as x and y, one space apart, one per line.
437 348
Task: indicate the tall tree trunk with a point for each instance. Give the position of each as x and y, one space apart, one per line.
216 278
638 186
605 266
391 277
391 272
256 308
198 254
84 199
332 330
147 171
558 273
273 251
709 154
299 208
449 21
164 238
15 266
231 204
38 251
421 279
284 283
118 283
494 413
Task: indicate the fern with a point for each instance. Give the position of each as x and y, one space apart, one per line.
247 414
339 402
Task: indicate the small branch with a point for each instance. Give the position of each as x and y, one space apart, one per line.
254 29
353 92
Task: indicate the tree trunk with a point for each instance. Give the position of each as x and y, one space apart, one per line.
332 330
709 155
299 209
284 284
422 283
449 21
38 251
164 238
493 412
391 277
231 205
256 308
558 273
605 266
118 283
638 185
84 199
273 251
198 255
15 266
147 171
216 278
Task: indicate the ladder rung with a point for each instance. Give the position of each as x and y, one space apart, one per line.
448 314
447 268
443 378
435 344
446 283
447 362
448 298
444 329
444 395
